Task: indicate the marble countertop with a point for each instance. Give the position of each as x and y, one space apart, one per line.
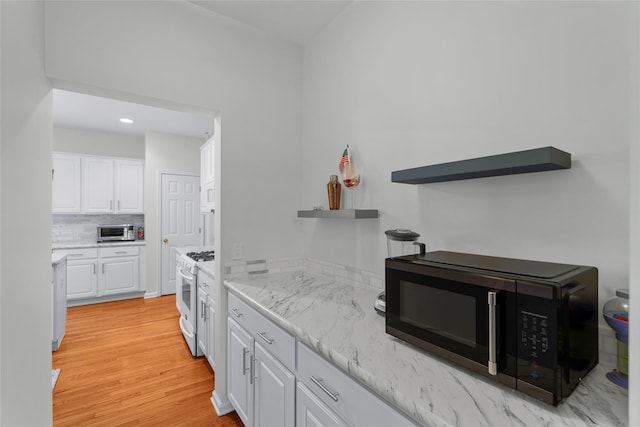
79 245
335 317
57 258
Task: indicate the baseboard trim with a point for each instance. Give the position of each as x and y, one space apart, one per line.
221 407
106 298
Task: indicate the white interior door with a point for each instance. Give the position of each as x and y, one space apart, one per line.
180 209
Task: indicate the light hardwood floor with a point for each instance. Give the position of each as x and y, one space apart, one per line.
126 363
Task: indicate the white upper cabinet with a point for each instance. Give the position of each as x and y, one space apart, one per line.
207 176
97 184
94 184
66 183
129 186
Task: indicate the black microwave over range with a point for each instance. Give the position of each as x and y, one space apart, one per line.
530 325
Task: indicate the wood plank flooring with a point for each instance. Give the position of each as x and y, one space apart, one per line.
126 363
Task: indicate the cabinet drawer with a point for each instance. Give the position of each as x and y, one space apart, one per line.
119 251
277 341
342 394
80 253
241 312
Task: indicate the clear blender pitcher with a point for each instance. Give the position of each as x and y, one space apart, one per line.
400 242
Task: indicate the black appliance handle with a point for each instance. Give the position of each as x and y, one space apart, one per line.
423 247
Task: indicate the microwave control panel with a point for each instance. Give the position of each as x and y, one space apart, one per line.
537 350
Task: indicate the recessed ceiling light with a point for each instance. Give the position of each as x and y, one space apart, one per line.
125 120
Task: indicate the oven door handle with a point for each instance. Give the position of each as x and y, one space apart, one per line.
187 278
492 364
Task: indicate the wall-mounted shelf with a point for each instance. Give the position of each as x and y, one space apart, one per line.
340 213
536 160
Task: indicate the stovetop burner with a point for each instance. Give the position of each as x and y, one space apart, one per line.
201 256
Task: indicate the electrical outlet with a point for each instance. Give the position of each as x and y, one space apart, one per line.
236 251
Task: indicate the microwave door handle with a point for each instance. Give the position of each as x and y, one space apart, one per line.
492 363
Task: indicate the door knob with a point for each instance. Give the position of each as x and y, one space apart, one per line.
165 240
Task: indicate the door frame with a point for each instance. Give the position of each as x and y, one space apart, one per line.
158 244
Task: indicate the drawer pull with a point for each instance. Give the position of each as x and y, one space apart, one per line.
75 254
318 382
236 313
121 252
264 337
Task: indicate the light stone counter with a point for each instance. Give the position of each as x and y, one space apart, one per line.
81 245
334 316
57 258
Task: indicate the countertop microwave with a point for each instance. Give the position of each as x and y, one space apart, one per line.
111 233
530 325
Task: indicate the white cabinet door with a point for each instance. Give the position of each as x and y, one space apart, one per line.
66 183
240 372
211 331
82 278
201 325
274 391
119 274
97 183
129 186
311 412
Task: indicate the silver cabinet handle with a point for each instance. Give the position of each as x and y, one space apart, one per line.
102 268
118 204
244 360
253 370
110 204
69 255
264 337
236 313
94 268
492 363
332 394
121 252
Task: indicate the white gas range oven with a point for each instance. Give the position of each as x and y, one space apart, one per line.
187 294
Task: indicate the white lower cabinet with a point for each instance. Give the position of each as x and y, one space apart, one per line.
206 317
261 358
268 388
274 388
311 412
240 374
82 273
343 396
103 272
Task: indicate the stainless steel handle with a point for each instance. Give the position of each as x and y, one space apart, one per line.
244 360
110 204
94 268
121 252
102 268
264 337
492 363
201 309
70 255
236 313
332 394
118 204
253 369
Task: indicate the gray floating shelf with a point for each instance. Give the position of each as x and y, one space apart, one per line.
340 213
536 160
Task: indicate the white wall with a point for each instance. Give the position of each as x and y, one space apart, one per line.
25 221
410 84
178 53
97 143
166 153
421 83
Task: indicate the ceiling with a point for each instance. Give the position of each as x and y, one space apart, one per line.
296 21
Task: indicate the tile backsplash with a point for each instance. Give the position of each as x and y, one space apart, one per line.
75 228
